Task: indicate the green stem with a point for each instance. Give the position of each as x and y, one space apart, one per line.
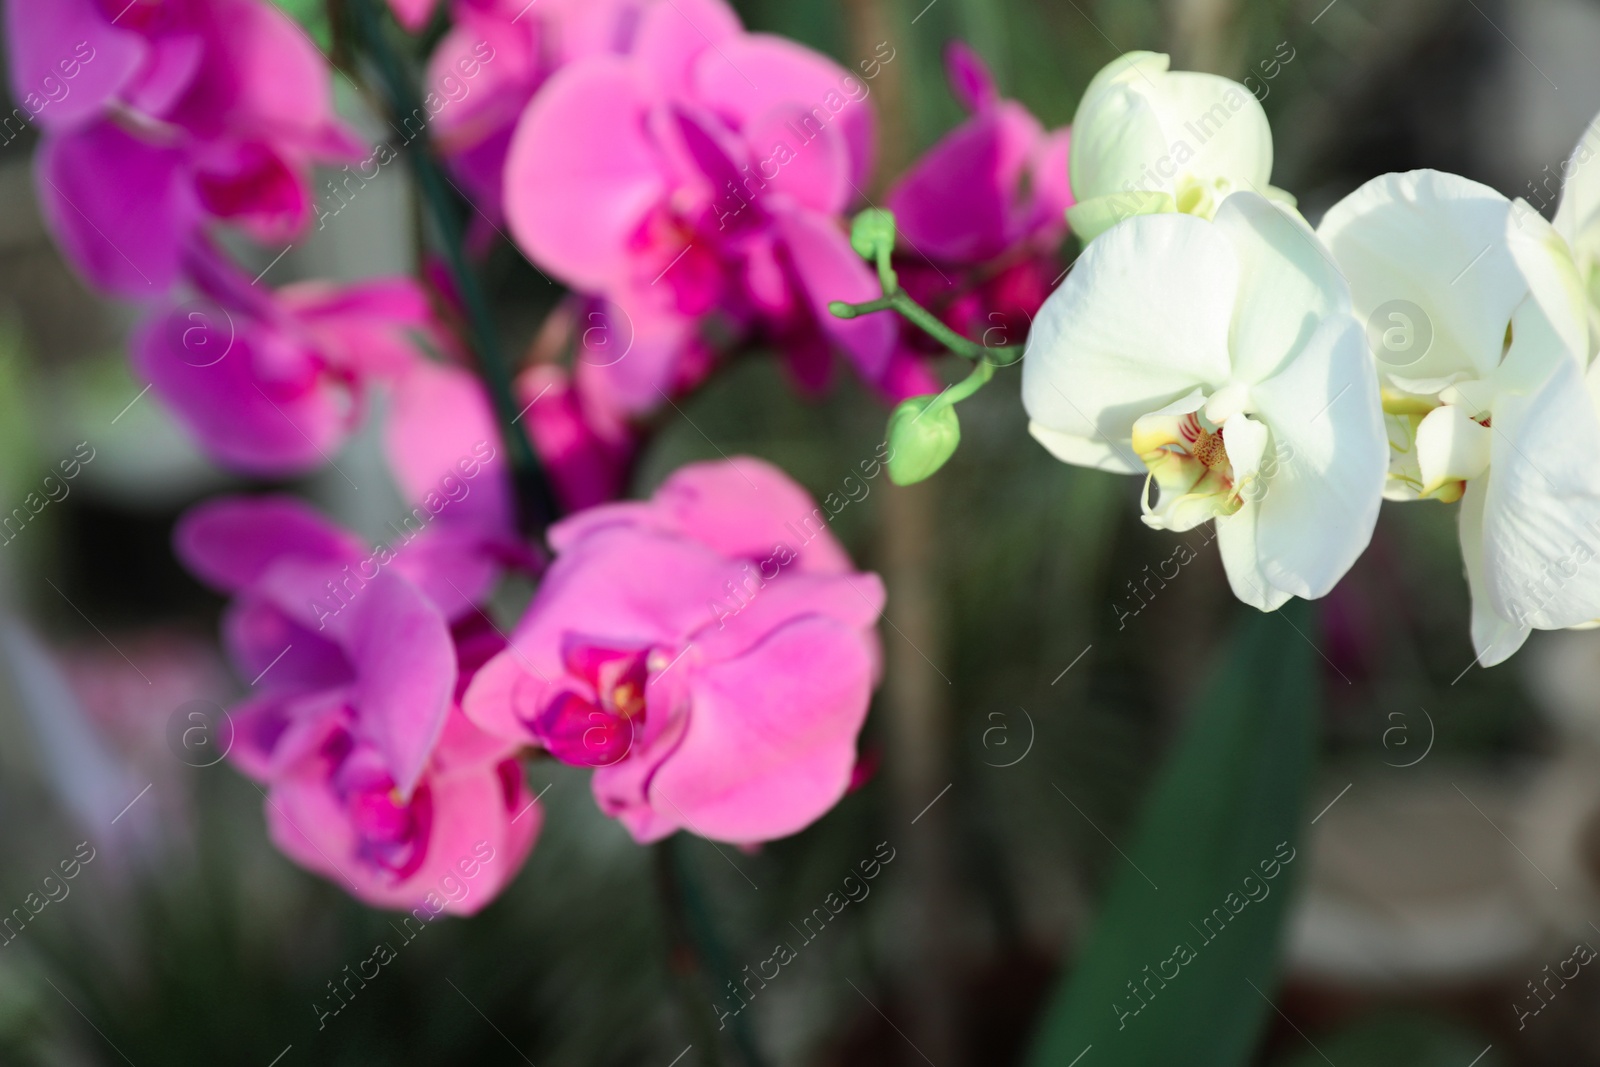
898 299
977 379
694 939
535 503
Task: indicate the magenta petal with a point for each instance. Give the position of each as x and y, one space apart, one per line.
50 38
126 236
462 745
969 76
1052 189
275 651
264 405
955 203
583 174
747 78
254 186
454 564
261 76
172 65
672 35
364 327
855 600
505 696
230 543
444 448
258 724
587 459
405 673
485 822
746 508
811 166
492 98
771 741
829 270
655 348
633 588
743 508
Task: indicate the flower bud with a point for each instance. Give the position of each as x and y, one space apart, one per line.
922 436
872 232
1148 140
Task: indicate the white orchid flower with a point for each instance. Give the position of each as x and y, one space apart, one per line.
1147 140
1486 403
1219 359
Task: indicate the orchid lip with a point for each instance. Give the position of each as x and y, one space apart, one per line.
1187 457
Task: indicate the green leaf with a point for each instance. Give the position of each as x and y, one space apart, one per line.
1224 811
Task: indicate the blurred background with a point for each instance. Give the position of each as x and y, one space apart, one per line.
1032 683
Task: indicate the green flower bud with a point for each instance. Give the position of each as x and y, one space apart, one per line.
871 231
922 436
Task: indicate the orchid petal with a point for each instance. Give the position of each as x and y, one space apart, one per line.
1142 320
230 543
1494 636
405 673
583 173
1450 447
1322 486
1288 283
1439 242
1541 507
748 768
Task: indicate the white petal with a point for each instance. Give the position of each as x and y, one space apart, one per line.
1553 278
1494 637
1086 452
1241 558
1439 242
1221 121
1116 134
1141 320
1541 526
1246 441
1323 483
1578 217
1287 283
1450 447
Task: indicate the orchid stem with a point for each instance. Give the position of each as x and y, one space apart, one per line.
897 299
535 503
694 939
977 379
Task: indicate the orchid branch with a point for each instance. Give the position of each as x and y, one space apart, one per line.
923 431
536 506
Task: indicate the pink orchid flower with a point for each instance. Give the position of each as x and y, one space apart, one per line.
273 382
702 169
983 212
160 116
374 778
710 652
